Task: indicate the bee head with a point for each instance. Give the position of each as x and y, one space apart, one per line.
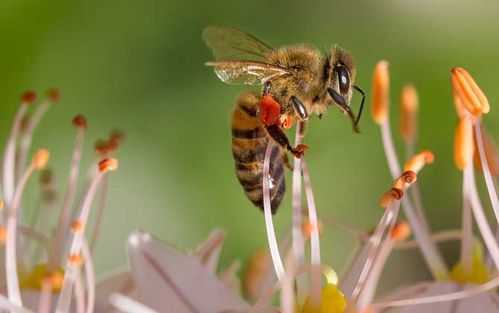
340 71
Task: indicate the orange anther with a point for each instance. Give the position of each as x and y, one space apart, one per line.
463 143
28 97
3 235
470 94
419 160
381 90
75 259
408 112
54 95
76 226
80 121
400 231
40 159
109 164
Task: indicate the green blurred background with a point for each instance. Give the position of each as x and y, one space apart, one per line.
138 66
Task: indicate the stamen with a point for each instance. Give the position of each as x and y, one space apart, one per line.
485 169
452 296
10 147
31 125
416 218
408 116
381 83
417 162
297 218
45 300
472 97
80 123
272 241
39 161
478 212
463 143
71 269
89 277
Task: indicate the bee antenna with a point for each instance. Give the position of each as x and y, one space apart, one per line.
357 119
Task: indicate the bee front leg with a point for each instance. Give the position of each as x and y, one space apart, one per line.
299 108
277 134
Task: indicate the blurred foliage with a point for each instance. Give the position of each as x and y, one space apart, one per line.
138 66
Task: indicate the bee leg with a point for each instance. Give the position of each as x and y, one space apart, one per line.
276 133
266 88
285 160
299 108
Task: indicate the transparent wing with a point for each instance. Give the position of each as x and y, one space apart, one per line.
233 44
246 72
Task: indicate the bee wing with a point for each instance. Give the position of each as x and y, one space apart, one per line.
233 44
246 72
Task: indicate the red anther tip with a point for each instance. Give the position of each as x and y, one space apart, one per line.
80 121
28 97
54 95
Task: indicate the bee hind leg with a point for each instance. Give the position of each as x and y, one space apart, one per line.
278 135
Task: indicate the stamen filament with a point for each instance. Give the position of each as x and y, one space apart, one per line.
5 304
485 168
478 212
65 214
45 300
72 267
13 289
89 277
452 296
10 155
298 241
269 225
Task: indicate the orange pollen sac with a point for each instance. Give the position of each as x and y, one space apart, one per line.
419 160
287 121
56 280
53 95
41 159
470 94
308 228
80 121
3 235
75 259
400 231
77 226
381 90
270 111
28 97
109 164
408 110
390 196
463 143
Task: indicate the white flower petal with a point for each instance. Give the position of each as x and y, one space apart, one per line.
209 251
168 279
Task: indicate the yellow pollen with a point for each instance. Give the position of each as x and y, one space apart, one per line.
332 301
479 271
40 273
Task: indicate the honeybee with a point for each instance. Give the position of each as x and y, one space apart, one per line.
297 81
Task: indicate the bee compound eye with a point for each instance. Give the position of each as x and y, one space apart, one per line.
343 78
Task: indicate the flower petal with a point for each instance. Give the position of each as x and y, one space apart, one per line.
166 278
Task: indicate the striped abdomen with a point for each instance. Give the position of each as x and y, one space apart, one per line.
249 141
